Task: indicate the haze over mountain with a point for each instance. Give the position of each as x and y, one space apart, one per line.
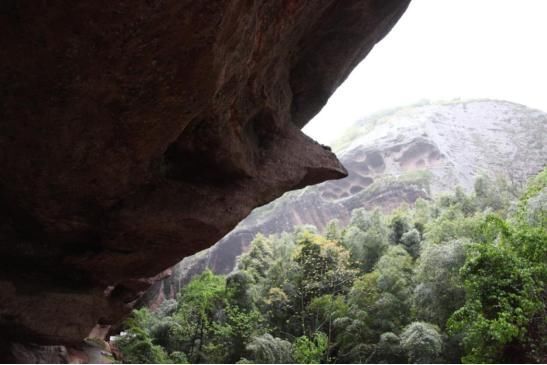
392 157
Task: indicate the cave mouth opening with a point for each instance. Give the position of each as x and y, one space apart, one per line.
427 56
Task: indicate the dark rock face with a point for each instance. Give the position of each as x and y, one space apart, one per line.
133 134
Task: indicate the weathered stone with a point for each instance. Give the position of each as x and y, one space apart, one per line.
135 133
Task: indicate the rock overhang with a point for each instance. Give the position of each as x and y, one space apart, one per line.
136 133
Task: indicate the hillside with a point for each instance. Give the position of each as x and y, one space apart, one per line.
456 279
392 158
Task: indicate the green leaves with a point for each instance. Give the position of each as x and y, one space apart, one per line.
266 349
439 290
422 342
449 271
136 343
310 350
504 290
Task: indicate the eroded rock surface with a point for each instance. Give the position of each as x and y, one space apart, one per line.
135 133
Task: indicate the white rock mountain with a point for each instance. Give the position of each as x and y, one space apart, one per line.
392 157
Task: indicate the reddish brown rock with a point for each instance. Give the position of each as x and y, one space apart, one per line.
134 133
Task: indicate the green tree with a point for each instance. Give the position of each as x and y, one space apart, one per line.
395 271
324 266
389 350
266 349
439 291
136 343
398 226
422 342
452 224
310 350
371 292
356 333
505 296
333 231
421 214
411 242
366 247
232 334
238 290
361 219
257 261
324 311
199 302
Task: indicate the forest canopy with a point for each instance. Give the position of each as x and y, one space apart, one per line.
460 278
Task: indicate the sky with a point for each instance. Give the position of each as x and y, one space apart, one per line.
442 50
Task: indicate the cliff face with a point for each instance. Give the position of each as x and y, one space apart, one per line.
133 134
392 158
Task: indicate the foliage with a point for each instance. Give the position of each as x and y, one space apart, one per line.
411 242
504 278
439 291
256 261
422 342
366 238
389 349
461 277
398 226
310 350
136 344
502 296
266 349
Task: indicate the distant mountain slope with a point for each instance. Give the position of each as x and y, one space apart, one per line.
395 157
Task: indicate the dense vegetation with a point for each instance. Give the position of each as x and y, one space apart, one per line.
460 278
